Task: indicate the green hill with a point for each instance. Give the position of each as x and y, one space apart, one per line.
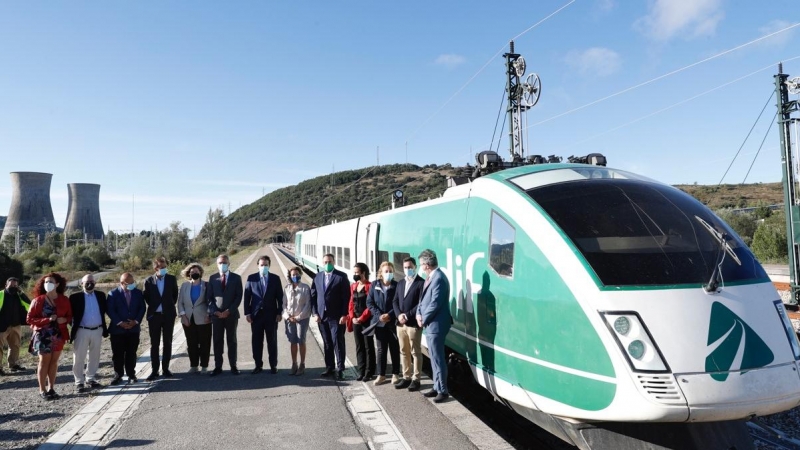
353 193
335 197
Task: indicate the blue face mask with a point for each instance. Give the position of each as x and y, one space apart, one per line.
295 279
162 272
410 272
132 286
264 270
222 268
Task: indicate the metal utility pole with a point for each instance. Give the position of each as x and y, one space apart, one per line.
522 96
784 87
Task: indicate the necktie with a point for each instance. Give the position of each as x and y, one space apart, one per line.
223 281
264 283
327 280
128 297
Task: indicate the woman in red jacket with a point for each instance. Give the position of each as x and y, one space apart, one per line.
359 315
48 316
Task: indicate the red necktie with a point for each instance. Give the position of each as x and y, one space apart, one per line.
223 281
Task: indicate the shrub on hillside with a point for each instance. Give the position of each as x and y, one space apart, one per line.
769 241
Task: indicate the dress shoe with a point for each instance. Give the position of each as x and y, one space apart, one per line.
3 373
440 398
234 371
368 376
273 370
116 380
52 393
327 373
193 370
81 388
430 394
395 379
256 371
132 380
340 374
301 369
294 369
216 372
17 368
94 384
379 381
45 396
167 373
360 378
414 386
404 383
152 376
204 370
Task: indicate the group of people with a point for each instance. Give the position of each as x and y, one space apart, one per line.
386 311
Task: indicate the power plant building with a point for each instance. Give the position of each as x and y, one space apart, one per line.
83 212
30 210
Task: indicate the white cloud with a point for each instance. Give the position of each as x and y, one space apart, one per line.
780 39
685 18
595 61
450 60
606 5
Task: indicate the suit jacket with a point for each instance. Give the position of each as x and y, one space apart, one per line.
379 301
119 311
231 295
200 308
255 299
78 303
167 300
407 303
434 306
330 302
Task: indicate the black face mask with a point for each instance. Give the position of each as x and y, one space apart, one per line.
357 277
195 276
89 286
12 290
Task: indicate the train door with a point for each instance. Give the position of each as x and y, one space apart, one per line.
372 247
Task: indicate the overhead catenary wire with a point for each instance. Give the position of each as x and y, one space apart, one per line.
499 111
759 148
746 138
472 78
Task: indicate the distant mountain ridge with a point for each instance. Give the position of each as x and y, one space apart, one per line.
354 193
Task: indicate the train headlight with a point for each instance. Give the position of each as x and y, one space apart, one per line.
634 341
622 325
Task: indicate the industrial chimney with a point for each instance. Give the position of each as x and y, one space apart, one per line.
83 213
30 204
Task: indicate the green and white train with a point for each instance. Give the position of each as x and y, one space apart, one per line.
613 310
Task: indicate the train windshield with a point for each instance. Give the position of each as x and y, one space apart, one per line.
635 232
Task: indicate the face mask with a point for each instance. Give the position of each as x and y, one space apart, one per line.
89 286
195 276
12 290
132 286
356 277
410 272
295 279
222 268
162 272
388 276
329 267
263 269
49 287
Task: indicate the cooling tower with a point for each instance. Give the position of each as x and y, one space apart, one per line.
30 204
83 213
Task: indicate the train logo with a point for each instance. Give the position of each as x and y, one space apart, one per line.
465 288
734 345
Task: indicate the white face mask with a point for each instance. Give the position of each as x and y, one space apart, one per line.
388 276
49 287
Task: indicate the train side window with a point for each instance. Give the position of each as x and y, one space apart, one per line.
339 258
382 256
501 251
397 259
347 257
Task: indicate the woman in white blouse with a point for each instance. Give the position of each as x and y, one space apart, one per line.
296 315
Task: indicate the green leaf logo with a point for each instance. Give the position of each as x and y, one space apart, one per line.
733 344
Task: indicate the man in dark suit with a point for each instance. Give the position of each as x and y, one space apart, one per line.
330 298
433 314
88 330
126 310
224 295
161 295
406 300
263 305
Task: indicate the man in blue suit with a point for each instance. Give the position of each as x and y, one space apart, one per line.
263 305
330 298
224 294
433 314
126 310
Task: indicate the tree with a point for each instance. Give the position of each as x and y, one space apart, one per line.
769 240
216 234
744 224
177 248
9 267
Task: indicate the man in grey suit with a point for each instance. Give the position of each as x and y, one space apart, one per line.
224 295
161 295
433 314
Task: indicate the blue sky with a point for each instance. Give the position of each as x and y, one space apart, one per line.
191 105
